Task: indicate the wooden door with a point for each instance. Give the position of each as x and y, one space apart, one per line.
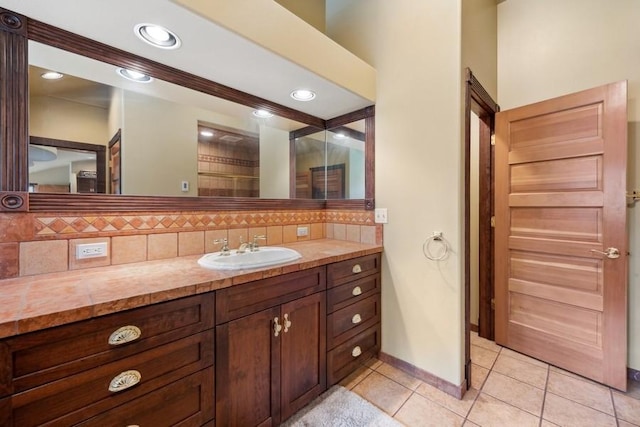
560 205
304 351
248 371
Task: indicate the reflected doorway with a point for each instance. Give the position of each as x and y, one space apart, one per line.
59 166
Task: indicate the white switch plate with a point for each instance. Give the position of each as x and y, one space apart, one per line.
91 250
380 216
184 186
303 231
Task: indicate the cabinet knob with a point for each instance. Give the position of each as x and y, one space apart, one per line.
356 319
287 322
276 327
356 291
124 380
357 351
124 335
356 269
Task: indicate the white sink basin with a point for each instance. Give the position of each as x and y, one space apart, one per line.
264 257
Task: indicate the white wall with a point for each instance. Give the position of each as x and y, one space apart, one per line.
548 48
415 49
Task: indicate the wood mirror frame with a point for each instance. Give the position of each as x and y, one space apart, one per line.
15 32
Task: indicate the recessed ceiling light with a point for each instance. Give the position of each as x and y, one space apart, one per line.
157 36
340 136
206 133
52 75
134 76
263 114
303 95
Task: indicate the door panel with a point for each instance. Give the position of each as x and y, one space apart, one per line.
560 198
303 352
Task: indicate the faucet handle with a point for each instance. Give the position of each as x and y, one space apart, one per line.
225 246
255 245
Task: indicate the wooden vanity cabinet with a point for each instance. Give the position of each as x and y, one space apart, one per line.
72 374
353 320
270 348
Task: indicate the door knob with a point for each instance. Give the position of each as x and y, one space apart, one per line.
612 253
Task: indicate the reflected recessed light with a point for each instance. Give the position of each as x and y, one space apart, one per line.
263 114
52 75
303 95
134 76
340 136
206 133
157 36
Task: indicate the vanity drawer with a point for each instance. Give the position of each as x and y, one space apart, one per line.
357 290
84 395
348 356
52 354
248 298
349 321
186 402
345 271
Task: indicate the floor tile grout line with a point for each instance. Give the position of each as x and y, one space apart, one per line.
544 395
582 404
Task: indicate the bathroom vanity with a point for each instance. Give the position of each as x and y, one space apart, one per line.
252 348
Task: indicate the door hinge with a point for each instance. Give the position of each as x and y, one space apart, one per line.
493 139
493 303
493 222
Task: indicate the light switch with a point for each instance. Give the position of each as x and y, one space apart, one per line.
380 216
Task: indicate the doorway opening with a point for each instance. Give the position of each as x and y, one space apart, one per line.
480 111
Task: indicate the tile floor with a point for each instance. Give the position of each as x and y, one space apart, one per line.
508 389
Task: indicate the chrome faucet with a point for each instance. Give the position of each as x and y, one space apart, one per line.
243 246
224 251
254 247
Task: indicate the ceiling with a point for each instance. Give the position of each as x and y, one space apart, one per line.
207 50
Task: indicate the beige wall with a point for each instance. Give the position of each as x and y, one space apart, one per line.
312 11
159 147
415 48
548 48
71 121
274 163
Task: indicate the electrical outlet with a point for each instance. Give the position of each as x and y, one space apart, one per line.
91 250
303 231
380 216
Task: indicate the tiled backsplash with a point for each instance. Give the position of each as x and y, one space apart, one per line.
33 244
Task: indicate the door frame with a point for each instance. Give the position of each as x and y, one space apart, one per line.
478 100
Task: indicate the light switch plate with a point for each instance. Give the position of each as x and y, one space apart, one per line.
303 231
380 216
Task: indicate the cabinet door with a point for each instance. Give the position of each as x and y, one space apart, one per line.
303 364
248 370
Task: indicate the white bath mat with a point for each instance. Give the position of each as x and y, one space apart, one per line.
339 407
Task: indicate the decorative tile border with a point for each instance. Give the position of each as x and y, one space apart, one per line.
53 226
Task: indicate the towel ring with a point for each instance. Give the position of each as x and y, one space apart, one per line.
435 247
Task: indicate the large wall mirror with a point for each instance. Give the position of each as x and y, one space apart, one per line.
91 131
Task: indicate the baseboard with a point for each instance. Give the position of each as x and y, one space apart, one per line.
456 391
633 374
474 328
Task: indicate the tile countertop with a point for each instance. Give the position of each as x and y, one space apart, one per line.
31 303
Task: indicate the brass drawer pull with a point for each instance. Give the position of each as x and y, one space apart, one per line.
356 269
356 291
276 327
356 319
357 351
287 322
124 335
124 380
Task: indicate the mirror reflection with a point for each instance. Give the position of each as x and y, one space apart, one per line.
162 139
335 169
